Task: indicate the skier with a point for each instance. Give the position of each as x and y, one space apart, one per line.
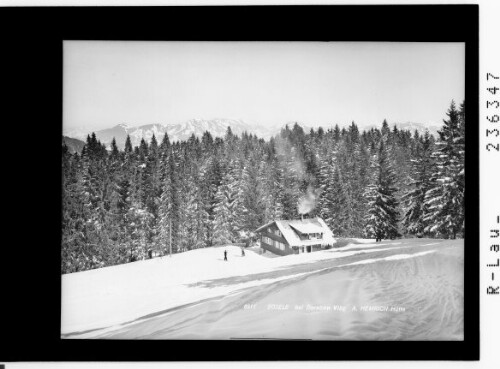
242 251
225 255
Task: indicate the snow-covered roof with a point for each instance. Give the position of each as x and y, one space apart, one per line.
309 225
307 228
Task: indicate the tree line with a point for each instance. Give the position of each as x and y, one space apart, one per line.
120 205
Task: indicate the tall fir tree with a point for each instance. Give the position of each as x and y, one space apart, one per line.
381 220
415 208
170 205
445 198
227 214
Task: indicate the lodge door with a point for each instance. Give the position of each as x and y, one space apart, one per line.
308 248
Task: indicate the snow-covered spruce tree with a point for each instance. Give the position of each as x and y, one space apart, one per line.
331 200
110 167
114 218
138 217
169 205
269 202
141 176
192 212
385 131
120 206
152 185
276 191
343 191
249 211
93 193
335 133
362 180
347 214
413 200
210 177
353 162
93 255
66 245
229 198
265 199
72 227
400 148
292 170
161 238
381 220
445 198
327 185
335 201
312 163
138 224
322 179
460 143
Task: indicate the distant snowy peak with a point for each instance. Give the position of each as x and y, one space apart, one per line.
216 127
176 132
146 132
421 128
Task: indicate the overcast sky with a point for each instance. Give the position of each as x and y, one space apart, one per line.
267 83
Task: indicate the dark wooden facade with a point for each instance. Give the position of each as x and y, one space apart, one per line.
272 232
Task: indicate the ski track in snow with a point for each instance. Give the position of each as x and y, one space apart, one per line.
394 257
101 300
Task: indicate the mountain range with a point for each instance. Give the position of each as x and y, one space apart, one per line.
176 132
182 131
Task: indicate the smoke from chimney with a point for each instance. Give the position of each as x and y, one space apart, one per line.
307 202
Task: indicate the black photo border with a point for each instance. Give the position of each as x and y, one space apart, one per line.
32 47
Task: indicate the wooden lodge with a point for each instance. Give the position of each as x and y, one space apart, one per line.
284 237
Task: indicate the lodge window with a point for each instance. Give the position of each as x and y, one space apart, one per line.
313 236
271 242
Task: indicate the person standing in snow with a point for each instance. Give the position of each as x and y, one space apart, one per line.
242 251
225 255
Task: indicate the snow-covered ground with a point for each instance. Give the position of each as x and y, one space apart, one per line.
130 300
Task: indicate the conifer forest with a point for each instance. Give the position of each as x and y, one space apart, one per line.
161 197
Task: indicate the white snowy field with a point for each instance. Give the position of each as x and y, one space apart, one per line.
198 295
